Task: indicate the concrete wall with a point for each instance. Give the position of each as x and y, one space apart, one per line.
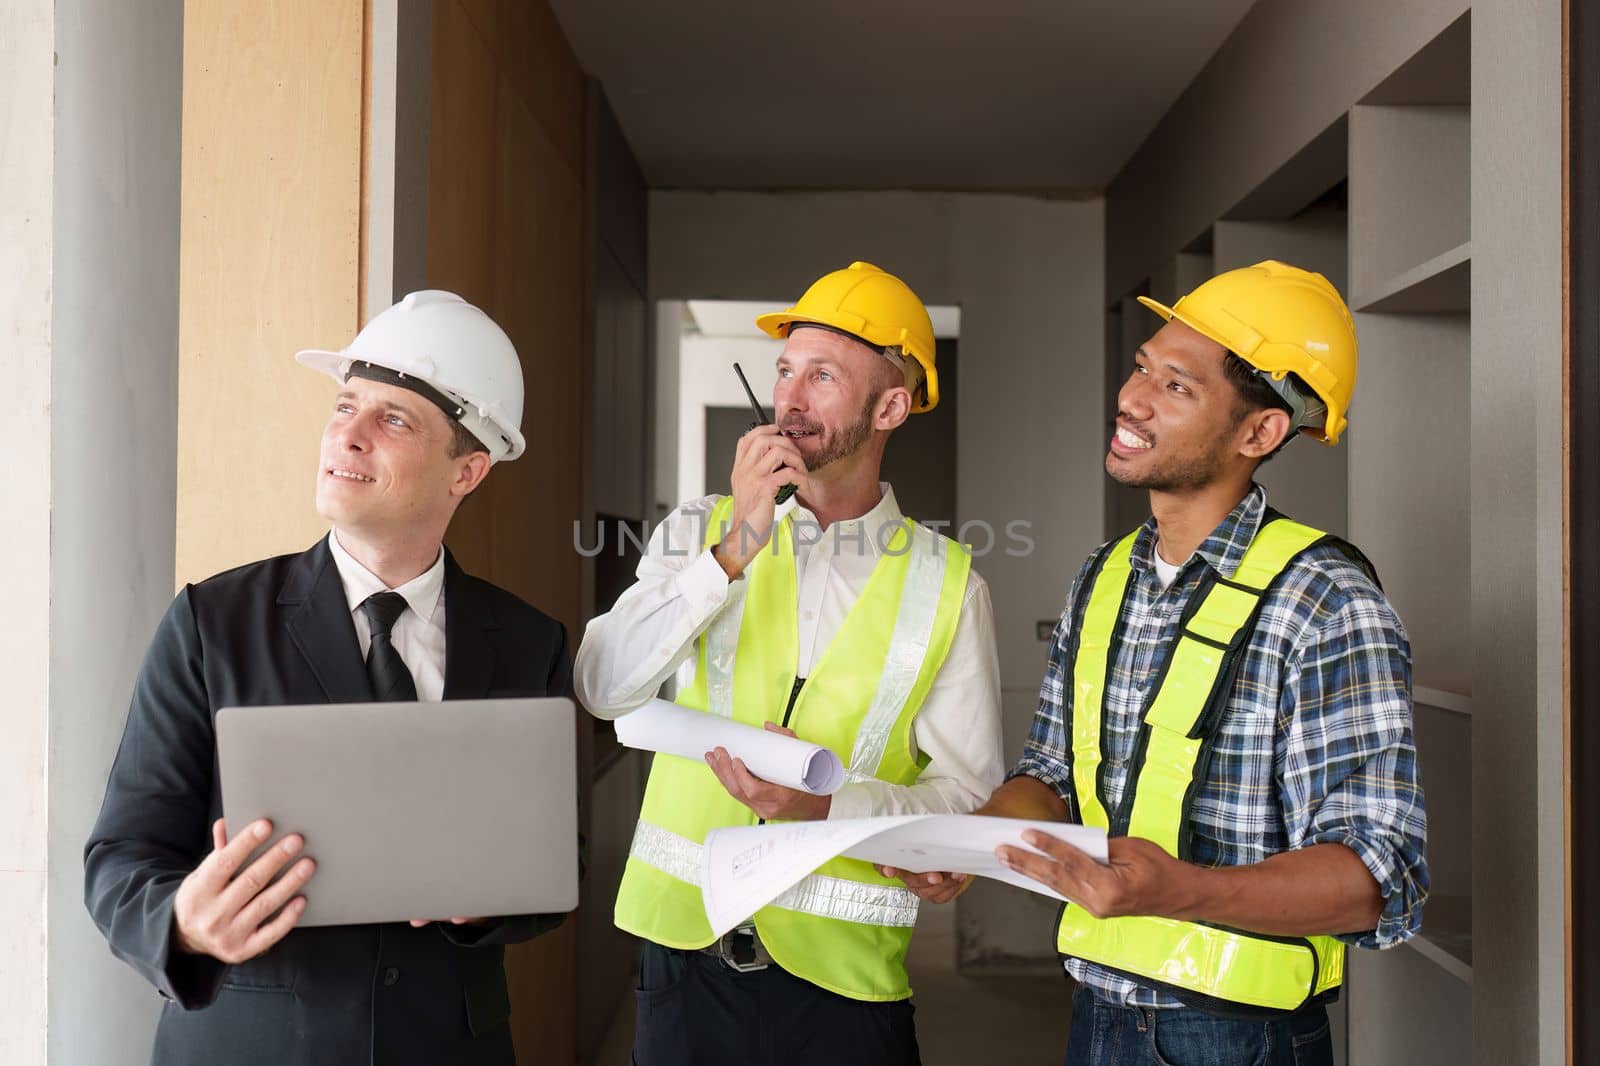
1517 528
27 45
1026 274
114 371
1289 72
88 289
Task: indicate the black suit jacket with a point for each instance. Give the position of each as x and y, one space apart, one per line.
280 632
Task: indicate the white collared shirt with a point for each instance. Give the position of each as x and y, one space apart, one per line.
650 633
418 634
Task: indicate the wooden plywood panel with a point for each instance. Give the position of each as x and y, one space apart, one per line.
535 56
268 264
537 297
505 223
461 223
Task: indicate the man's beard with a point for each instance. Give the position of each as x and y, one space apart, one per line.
1177 475
842 444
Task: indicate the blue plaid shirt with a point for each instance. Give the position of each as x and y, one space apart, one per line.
1315 745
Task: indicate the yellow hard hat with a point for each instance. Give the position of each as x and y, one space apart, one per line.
1279 319
871 305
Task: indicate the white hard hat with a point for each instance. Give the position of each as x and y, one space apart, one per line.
437 339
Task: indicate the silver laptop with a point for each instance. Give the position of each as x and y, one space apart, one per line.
465 808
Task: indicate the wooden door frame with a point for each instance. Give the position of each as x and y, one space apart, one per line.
1581 309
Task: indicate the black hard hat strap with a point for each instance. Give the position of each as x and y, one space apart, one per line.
372 372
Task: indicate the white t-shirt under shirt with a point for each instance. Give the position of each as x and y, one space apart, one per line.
1165 572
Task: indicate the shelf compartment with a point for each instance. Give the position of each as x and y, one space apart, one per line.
1442 284
1446 937
1440 698
1410 204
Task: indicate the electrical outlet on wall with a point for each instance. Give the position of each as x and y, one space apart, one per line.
1045 628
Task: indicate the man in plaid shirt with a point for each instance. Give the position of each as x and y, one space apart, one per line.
1304 821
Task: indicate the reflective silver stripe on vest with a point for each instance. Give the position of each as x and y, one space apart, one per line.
674 855
825 897
851 901
908 647
722 643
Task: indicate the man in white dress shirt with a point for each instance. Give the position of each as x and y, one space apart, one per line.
829 616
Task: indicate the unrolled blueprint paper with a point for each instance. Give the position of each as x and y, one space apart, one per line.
787 761
744 868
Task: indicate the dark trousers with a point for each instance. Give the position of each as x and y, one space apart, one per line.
1105 1033
695 1011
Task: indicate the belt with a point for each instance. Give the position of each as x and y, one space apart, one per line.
740 950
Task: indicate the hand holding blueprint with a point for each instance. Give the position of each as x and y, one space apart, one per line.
787 761
747 867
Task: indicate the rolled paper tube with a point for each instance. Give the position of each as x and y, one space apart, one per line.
666 727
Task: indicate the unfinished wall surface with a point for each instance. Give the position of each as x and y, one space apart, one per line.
1289 72
1026 274
27 44
1517 527
268 265
114 405
505 231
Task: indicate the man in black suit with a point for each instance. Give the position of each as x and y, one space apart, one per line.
431 397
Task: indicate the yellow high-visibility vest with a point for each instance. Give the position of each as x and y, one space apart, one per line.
845 927
1203 965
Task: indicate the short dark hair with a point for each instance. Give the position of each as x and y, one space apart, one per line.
463 442
1256 395
1254 392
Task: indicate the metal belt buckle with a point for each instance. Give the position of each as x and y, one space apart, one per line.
742 950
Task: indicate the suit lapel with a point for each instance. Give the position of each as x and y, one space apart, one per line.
468 647
319 624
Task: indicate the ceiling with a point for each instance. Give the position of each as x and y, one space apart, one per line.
1038 95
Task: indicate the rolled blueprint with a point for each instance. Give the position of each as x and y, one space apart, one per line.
787 761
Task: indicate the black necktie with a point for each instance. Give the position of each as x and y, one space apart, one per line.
391 680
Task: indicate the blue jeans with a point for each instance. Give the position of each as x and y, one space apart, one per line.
1104 1034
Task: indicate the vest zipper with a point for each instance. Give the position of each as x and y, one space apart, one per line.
794 694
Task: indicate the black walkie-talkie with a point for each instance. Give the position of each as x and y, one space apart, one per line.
761 420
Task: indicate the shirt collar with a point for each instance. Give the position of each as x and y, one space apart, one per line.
863 530
421 592
1224 548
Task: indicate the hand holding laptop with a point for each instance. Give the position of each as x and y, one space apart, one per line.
235 912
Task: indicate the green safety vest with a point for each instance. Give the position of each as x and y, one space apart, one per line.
845 927
1204 965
